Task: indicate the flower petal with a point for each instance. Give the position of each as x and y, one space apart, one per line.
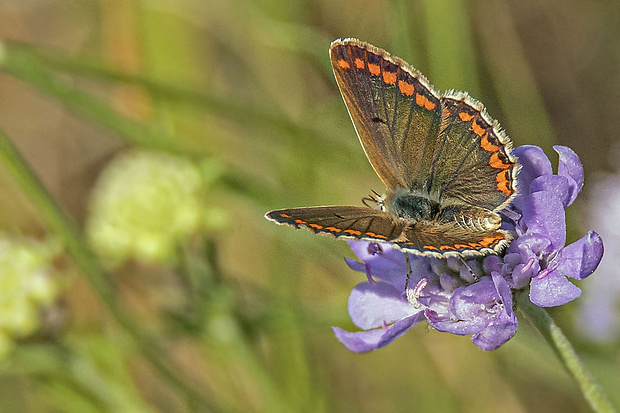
579 259
383 260
373 305
496 333
385 255
467 310
570 167
503 289
555 184
364 341
543 213
552 289
534 163
446 324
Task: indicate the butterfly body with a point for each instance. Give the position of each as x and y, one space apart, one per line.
446 163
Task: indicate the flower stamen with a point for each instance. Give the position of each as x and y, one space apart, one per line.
413 294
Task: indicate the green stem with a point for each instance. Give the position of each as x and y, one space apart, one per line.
62 225
540 319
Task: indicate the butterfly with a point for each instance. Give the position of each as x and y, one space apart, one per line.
447 165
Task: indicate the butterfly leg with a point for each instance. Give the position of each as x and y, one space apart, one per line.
408 271
471 272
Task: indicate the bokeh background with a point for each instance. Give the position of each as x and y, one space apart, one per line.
166 129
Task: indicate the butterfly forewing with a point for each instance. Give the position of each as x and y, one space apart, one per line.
350 222
396 112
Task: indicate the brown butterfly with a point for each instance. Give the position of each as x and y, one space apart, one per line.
447 164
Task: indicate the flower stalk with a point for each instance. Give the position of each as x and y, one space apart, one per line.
560 344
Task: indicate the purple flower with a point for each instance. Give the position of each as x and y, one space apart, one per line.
476 297
483 309
538 256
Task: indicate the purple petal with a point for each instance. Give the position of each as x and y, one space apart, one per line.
543 213
504 291
534 163
364 341
554 184
373 305
446 324
491 263
519 271
504 325
467 309
579 259
532 245
523 273
384 261
570 167
552 289
381 254
496 333
466 300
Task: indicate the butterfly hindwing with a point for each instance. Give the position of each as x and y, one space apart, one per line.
349 222
395 110
444 239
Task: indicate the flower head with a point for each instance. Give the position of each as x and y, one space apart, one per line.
476 297
146 203
26 286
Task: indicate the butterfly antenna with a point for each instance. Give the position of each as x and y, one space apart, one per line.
372 199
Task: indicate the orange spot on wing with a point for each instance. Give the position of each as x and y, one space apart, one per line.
486 145
406 88
489 240
359 63
389 77
317 226
497 163
374 69
461 246
299 221
503 183
430 247
465 117
478 130
372 234
446 247
420 100
333 229
285 216
343 64
423 101
474 245
352 232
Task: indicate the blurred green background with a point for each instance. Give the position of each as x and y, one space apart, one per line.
117 105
